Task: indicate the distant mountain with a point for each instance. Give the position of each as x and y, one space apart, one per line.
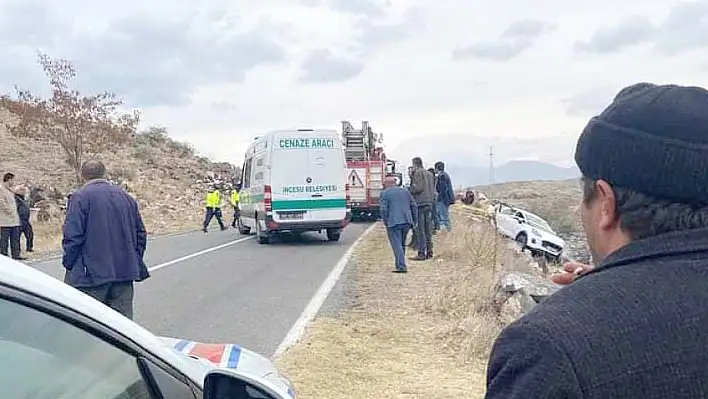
510 171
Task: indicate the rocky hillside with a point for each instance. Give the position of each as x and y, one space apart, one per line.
166 177
556 201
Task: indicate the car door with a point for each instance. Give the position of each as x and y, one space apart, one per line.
505 220
50 352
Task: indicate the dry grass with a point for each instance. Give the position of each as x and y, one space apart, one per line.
425 334
556 201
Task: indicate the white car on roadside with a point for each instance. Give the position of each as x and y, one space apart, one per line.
529 231
58 343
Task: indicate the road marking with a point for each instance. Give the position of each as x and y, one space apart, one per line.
194 255
298 329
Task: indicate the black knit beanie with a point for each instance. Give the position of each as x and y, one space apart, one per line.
652 139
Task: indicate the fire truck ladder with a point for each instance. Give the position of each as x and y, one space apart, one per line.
356 142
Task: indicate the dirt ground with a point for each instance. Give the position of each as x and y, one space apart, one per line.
424 334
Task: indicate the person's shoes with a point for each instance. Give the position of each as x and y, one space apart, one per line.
430 256
223 228
418 257
20 258
204 230
30 250
399 271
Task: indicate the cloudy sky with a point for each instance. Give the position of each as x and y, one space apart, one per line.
216 73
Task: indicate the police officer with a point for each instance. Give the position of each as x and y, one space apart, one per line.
213 208
234 203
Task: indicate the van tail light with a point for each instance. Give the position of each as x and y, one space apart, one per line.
268 198
347 197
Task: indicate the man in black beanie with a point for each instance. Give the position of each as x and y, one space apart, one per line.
636 324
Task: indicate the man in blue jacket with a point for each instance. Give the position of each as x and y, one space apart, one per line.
104 241
445 197
399 214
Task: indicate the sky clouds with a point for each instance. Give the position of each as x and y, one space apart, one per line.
218 72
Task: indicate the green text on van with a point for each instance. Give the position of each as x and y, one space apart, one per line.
309 189
306 143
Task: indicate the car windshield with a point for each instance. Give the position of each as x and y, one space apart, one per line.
537 222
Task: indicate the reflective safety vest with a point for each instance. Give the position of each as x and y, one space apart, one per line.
234 197
213 200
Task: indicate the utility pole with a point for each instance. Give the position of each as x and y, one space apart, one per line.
491 165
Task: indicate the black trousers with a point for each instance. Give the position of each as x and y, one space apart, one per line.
210 213
28 232
118 296
237 213
10 239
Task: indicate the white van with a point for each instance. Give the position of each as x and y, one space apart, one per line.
294 181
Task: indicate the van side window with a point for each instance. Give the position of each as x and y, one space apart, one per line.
247 173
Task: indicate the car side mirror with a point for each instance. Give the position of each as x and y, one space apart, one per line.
224 384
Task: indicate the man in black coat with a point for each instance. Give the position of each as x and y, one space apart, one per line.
635 325
23 210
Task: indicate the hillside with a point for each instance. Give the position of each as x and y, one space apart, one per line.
166 177
556 201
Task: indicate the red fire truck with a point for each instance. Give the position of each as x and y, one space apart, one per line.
367 166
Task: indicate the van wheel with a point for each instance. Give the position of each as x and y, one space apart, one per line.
263 237
333 234
245 230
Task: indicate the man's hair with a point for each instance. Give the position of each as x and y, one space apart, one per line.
642 216
93 169
431 170
417 161
7 177
439 165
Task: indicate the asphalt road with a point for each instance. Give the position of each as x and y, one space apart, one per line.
245 293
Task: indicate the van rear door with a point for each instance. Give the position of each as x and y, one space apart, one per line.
308 176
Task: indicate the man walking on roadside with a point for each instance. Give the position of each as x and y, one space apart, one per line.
234 204
446 195
9 219
423 189
398 213
23 210
104 241
635 325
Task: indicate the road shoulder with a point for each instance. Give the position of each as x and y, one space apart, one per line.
410 335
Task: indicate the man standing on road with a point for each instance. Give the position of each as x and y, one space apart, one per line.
446 195
9 219
213 208
412 244
398 213
104 241
436 221
23 210
423 189
635 325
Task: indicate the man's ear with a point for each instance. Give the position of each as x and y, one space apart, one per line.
607 203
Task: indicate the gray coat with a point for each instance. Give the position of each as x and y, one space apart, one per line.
422 186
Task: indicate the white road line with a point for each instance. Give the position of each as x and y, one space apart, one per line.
194 255
298 329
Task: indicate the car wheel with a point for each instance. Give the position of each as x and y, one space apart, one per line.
522 239
333 234
245 230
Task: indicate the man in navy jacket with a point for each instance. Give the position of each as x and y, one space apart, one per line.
636 325
104 241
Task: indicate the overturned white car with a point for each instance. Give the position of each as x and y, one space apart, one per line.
529 231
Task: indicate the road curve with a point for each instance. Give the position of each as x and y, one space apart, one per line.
243 292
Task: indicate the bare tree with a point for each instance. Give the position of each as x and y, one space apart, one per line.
82 125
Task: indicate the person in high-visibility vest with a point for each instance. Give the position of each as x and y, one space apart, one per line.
234 203
213 208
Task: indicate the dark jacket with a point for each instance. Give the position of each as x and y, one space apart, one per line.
443 185
104 237
22 209
398 207
422 186
636 327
